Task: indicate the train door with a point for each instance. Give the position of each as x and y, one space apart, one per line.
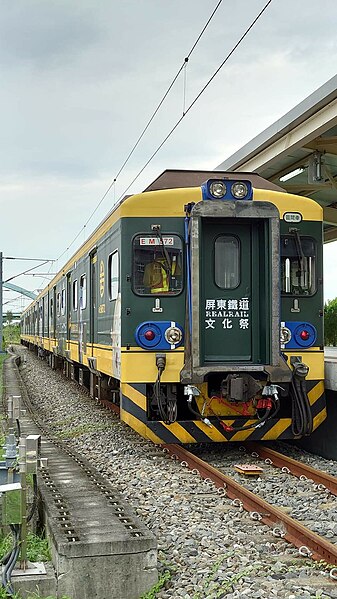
52 313
82 305
93 291
234 292
68 308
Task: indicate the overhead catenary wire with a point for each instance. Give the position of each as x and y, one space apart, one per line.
181 68
197 97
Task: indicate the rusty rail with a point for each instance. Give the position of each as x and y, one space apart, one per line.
297 534
296 468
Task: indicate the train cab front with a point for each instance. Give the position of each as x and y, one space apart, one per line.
237 382
234 371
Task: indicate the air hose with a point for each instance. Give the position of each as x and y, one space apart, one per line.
270 403
302 420
167 409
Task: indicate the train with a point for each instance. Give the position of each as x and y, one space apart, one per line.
196 310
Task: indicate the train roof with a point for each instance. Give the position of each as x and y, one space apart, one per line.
173 178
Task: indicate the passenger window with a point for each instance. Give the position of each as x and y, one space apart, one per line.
157 264
227 262
113 274
63 301
298 265
83 292
75 295
58 304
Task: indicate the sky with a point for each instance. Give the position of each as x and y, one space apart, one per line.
80 80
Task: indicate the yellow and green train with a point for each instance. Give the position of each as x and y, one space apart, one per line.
196 308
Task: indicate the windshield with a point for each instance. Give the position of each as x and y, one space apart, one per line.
157 264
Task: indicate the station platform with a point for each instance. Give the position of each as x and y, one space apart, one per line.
330 366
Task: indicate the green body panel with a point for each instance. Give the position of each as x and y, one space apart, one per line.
311 307
135 308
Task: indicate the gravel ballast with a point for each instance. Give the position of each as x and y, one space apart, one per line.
208 548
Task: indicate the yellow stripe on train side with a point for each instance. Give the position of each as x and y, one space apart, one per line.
314 358
139 427
138 398
180 432
316 392
308 208
142 368
319 418
276 431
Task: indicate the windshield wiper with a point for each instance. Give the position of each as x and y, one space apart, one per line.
300 254
163 249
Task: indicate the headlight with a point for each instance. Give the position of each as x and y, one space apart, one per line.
239 190
217 189
285 335
173 335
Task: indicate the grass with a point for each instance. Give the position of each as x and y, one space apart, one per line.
11 334
82 429
37 551
152 593
4 595
37 548
2 359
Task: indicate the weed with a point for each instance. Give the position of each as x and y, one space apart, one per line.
2 359
163 579
64 422
37 548
83 429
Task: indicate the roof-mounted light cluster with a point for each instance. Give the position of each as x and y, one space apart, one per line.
225 189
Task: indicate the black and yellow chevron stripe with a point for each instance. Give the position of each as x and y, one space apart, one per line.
134 413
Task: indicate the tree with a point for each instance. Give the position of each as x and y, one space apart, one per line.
9 317
330 322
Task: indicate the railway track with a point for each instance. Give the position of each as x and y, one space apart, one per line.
308 542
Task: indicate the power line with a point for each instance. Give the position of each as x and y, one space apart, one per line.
197 97
183 66
31 259
27 271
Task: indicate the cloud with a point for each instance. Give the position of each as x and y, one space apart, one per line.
79 81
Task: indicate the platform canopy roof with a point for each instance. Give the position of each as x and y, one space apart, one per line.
299 153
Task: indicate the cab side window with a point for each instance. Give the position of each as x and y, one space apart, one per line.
298 265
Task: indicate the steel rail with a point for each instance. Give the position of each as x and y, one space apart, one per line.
296 468
294 532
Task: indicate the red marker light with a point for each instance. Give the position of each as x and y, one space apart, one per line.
149 335
304 335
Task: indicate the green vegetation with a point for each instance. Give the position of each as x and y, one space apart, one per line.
37 551
4 595
83 429
152 593
37 548
11 334
2 359
330 322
